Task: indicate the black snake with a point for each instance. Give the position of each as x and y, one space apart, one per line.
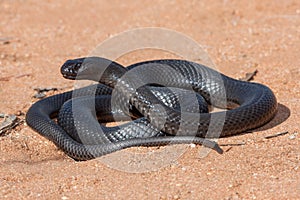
153 94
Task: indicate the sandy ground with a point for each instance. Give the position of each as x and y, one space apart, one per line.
36 37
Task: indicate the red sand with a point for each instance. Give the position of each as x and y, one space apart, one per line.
38 36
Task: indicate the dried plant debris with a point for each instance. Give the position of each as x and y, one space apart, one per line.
249 76
41 92
9 122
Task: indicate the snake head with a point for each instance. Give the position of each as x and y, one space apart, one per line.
70 69
93 68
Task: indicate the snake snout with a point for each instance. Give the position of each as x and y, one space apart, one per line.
71 68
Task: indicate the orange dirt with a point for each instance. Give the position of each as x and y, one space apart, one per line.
36 37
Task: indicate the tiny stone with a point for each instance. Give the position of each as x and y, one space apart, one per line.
292 137
39 95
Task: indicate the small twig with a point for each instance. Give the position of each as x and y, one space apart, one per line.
233 144
7 78
249 76
228 149
6 40
276 135
22 75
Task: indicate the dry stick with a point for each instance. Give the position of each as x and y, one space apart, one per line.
233 144
276 135
22 75
249 76
6 40
228 149
7 78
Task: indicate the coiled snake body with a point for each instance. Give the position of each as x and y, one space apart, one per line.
155 93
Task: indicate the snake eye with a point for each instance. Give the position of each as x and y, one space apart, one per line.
77 66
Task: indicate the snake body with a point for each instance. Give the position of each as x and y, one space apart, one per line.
77 117
131 88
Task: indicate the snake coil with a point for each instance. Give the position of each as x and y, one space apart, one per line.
154 94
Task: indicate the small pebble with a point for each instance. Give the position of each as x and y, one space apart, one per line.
39 95
293 136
